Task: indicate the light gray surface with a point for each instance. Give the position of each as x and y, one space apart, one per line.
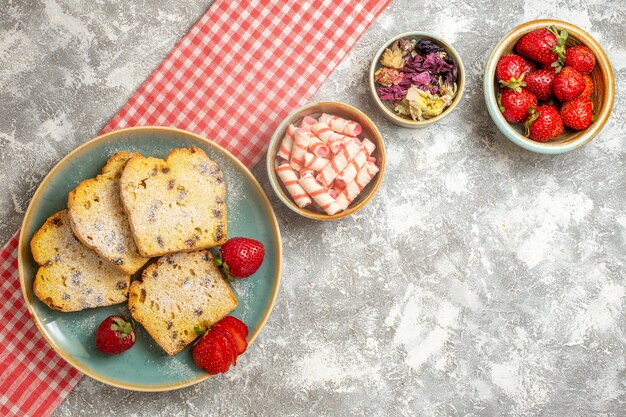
482 280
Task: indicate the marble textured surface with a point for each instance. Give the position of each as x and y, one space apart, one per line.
482 280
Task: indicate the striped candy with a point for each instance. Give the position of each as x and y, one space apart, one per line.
290 181
334 140
307 122
301 141
349 173
336 146
341 125
320 195
325 133
353 189
307 172
315 163
337 187
284 151
317 147
338 163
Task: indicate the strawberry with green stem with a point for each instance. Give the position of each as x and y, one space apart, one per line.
545 46
212 353
220 345
510 71
544 123
515 105
115 335
240 257
559 49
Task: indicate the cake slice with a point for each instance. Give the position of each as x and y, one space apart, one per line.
178 293
176 204
71 277
99 220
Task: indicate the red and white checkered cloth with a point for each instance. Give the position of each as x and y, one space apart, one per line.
235 75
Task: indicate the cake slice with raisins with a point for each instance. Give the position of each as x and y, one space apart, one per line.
72 277
99 220
176 204
178 293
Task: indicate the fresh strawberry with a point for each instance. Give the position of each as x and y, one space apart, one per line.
588 91
578 113
237 329
510 71
240 257
220 345
228 341
551 68
540 83
240 341
529 66
233 322
568 84
515 105
212 354
580 58
544 124
115 335
543 45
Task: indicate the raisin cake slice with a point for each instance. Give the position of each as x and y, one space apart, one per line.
176 204
71 277
178 293
99 220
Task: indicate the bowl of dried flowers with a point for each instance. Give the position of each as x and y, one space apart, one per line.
416 78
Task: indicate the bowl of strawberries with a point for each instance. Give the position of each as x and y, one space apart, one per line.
549 86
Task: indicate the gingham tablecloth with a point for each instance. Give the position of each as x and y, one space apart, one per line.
233 77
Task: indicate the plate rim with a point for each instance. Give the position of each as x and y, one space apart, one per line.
25 246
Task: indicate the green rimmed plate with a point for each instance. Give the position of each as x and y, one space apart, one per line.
146 367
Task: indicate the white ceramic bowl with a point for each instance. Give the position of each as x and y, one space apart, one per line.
386 108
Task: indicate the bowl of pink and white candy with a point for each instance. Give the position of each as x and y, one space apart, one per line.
326 160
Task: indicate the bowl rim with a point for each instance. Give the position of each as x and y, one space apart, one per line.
490 94
277 136
409 122
24 247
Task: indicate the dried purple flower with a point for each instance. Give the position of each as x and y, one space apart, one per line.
413 64
434 63
426 47
451 76
419 77
393 93
422 80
